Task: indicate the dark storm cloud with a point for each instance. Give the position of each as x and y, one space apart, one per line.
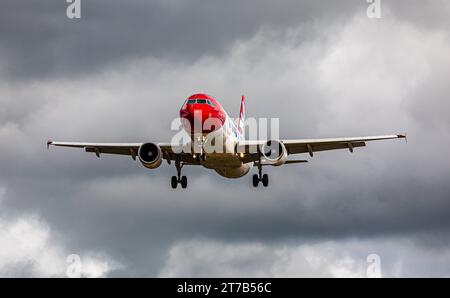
37 39
323 68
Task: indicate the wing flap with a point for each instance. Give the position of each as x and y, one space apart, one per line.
113 150
309 148
170 151
250 148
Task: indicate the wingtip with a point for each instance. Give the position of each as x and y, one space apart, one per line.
403 136
49 142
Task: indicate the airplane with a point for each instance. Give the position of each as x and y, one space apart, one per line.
238 155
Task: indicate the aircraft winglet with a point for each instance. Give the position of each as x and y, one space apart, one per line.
403 136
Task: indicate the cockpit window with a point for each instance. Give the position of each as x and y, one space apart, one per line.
211 103
200 101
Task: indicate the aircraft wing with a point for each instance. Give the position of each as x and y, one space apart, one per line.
314 145
130 149
295 146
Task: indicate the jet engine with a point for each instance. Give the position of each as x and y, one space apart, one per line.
274 152
150 155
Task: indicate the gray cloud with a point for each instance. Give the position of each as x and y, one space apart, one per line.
323 68
44 42
395 257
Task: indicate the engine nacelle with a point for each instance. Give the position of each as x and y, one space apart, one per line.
274 152
150 155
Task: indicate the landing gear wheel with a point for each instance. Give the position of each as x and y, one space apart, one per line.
255 180
260 177
265 180
174 182
183 182
178 178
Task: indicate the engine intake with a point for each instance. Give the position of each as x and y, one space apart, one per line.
150 155
274 152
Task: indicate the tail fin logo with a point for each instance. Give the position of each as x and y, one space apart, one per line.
242 116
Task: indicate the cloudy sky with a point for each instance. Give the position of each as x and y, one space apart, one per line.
121 72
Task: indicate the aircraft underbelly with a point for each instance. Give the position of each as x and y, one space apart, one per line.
227 165
215 160
237 172
222 159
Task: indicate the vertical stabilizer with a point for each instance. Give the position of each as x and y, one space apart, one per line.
241 122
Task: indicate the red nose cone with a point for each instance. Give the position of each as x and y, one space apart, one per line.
201 118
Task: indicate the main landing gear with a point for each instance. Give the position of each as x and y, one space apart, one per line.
260 177
178 178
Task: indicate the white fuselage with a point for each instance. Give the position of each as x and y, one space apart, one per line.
219 148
